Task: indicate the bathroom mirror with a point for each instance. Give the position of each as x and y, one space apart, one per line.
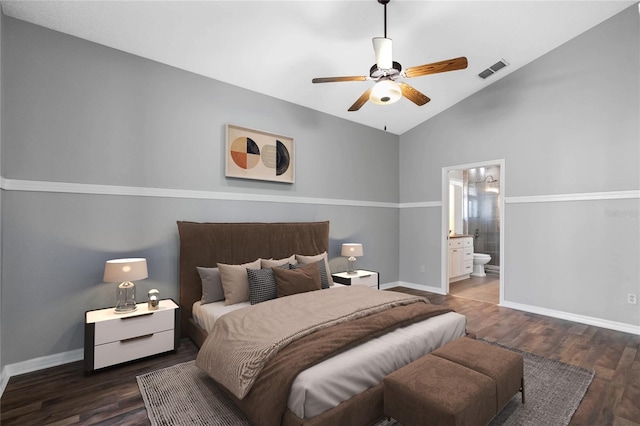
457 216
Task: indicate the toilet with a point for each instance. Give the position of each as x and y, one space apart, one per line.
479 260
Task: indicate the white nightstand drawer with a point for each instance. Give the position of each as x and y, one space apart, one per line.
368 280
127 327
130 349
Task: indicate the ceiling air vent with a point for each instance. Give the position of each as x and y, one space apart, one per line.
493 68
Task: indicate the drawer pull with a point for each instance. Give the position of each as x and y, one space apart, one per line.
365 276
131 339
136 316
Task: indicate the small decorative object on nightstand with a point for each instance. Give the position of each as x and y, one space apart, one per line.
352 250
358 277
153 299
111 338
124 271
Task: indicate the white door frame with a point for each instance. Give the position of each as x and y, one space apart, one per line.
444 238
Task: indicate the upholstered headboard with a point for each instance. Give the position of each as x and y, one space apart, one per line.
206 244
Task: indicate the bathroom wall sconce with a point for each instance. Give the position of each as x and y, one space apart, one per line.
352 250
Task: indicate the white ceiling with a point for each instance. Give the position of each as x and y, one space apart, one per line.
277 47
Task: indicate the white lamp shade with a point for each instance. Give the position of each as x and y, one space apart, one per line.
122 270
385 92
352 249
384 53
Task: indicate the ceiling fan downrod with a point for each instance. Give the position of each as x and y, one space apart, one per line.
384 3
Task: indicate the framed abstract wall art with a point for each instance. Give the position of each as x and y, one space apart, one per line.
255 154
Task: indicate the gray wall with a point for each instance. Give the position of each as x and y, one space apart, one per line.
79 113
566 123
2 378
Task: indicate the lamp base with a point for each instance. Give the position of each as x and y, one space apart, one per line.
125 298
351 265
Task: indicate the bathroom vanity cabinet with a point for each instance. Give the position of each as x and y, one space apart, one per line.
460 258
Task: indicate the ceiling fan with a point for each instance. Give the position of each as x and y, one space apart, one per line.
386 71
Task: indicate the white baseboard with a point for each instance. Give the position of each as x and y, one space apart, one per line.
36 364
387 286
4 379
583 319
421 287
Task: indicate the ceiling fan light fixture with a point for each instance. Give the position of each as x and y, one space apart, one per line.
383 48
385 92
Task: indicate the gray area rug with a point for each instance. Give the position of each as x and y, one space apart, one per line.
183 395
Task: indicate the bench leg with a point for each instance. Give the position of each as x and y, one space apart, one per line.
522 388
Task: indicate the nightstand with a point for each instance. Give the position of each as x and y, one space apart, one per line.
111 338
360 277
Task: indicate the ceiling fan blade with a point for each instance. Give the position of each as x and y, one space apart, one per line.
361 101
338 79
436 67
413 95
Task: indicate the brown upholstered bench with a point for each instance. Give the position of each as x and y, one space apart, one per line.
465 382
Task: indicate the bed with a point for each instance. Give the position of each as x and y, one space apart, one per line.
331 390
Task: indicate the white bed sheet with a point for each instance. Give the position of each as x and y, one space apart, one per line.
327 384
206 315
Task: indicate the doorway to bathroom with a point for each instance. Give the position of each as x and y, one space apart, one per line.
472 224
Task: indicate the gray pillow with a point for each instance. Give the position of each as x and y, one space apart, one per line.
211 285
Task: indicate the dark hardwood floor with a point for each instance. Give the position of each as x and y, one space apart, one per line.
65 396
484 289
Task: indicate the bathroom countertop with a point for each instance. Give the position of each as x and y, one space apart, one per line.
459 236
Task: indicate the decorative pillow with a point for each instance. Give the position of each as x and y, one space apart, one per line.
235 282
262 284
323 272
211 285
326 279
301 280
272 263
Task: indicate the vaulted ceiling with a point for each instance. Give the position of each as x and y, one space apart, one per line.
277 47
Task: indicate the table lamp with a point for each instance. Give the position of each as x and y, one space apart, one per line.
124 271
352 250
